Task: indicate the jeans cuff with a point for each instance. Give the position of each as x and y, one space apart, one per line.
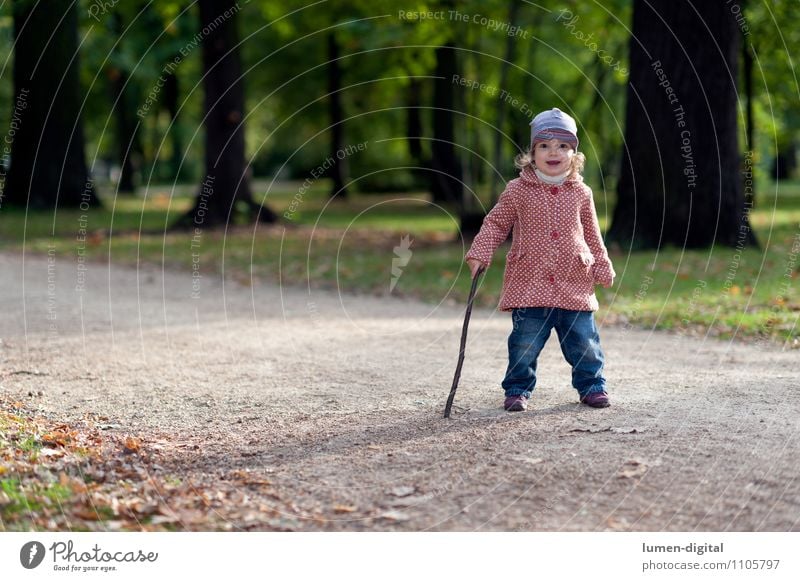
593 389
517 391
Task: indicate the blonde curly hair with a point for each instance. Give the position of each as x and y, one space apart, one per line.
524 160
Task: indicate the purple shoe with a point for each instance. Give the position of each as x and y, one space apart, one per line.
515 403
597 399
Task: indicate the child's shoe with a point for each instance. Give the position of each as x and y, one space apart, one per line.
597 399
516 403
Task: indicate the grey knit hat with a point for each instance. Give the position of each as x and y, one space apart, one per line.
554 124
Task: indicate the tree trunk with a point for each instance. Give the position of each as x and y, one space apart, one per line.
339 170
171 104
499 133
226 182
48 167
414 133
446 173
785 162
681 181
128 146
747 63
414 121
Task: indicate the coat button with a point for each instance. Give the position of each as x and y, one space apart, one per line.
554 235
554 190
551 278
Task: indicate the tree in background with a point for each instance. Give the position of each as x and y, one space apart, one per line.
226 182
339 171
681 181
446 172
48 167
123 99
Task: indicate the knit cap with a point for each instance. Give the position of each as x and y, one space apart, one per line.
554 124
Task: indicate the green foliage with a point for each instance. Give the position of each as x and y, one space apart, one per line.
22 499
752 293
557 61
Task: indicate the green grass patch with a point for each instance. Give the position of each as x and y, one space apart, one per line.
19 499
351 245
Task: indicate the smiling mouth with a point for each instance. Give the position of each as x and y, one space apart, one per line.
553 162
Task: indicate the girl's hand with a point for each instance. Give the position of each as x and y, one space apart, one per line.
475 266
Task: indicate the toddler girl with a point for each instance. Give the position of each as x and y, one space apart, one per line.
557 256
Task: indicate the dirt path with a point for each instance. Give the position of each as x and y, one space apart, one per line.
324 411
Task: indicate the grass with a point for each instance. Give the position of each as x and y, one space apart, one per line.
20 499
56 476
725 292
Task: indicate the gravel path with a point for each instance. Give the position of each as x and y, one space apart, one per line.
330 405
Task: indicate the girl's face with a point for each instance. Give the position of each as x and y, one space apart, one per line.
553 157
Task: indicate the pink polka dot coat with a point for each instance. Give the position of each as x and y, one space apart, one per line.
557 254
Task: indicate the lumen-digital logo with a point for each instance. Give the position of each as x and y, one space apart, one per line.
31 554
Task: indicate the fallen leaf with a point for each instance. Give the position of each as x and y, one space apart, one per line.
132 445
395 515
633 469
590 430
343 508
617 524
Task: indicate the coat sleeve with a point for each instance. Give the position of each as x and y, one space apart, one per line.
602 270
494 230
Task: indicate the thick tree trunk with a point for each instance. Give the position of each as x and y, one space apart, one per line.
446 173
171 104
747 63
414 133
681 181
48 166
339 170
499 132
785 162
128 147
414 121
226 182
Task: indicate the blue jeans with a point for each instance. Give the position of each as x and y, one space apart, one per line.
580 344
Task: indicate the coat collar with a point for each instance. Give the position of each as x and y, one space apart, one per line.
529 175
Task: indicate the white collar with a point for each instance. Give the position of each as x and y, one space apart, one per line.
557 180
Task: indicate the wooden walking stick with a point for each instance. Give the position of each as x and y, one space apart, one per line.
463 342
